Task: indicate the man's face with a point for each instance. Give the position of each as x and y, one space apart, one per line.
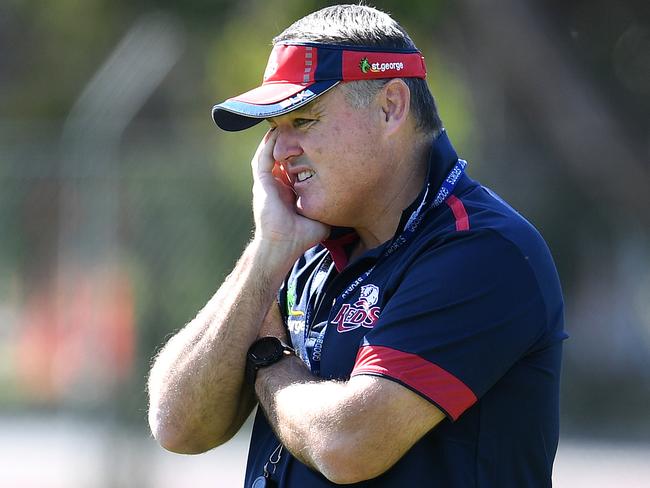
332 154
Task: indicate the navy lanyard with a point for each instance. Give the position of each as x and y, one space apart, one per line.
428 202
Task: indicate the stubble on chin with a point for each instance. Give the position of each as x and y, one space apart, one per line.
301 210
310 213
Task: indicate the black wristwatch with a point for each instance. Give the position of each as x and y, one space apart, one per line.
265 352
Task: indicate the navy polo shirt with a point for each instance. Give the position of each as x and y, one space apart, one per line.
468 313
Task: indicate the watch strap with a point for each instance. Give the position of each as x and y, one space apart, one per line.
254 364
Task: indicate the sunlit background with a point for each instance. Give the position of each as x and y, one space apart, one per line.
122 208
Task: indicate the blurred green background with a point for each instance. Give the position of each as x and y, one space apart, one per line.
122 207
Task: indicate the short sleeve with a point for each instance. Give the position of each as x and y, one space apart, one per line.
464 313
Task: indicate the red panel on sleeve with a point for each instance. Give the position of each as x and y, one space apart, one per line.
441 387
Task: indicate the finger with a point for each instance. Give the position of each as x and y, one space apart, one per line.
263 159
285 192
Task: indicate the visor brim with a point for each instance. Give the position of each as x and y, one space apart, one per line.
265 101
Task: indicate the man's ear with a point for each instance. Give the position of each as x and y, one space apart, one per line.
395 102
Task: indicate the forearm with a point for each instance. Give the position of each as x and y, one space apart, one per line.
196 387
349 431
308 414
273 386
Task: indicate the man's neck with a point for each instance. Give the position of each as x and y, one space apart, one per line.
383 225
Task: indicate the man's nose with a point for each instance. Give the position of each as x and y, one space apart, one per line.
286 146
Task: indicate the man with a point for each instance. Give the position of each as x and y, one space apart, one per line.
424 314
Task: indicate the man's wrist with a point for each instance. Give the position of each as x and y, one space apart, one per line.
277 257
265 352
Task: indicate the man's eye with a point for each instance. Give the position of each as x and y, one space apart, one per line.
302 122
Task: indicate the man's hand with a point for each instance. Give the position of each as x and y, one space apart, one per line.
277 221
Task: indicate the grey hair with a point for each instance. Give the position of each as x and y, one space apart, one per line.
361 25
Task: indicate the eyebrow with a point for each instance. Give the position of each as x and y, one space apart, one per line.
314 107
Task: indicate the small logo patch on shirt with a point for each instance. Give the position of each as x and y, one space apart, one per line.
363 313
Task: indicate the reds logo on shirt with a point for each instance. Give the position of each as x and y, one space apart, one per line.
363 313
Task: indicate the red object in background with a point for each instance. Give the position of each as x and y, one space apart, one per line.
78 330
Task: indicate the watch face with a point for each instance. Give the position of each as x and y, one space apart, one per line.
267 349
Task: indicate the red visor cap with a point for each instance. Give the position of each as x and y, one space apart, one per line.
290 79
